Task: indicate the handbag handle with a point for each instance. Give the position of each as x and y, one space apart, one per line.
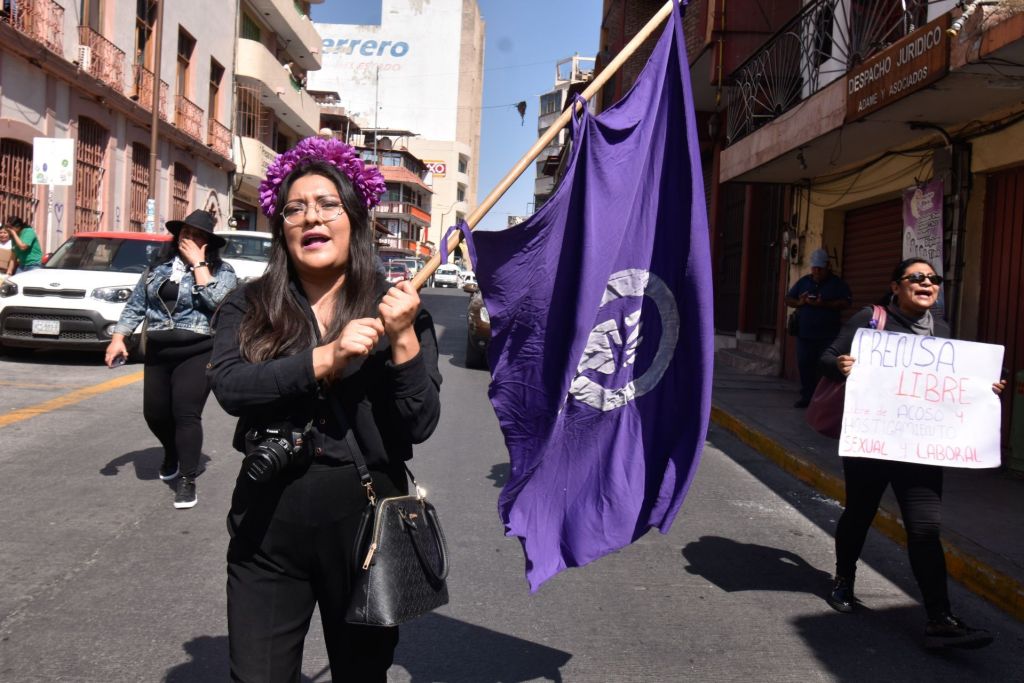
437 577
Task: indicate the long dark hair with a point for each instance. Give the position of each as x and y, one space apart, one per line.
275 324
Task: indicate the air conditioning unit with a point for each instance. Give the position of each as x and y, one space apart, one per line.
84 57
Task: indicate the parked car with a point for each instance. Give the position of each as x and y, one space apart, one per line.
478 324
248 252
467 277
447 275
74 300
396 272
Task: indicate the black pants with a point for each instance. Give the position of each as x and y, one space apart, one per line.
173 397
292 547
918 490
808 351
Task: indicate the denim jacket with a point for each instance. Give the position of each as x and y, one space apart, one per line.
193 310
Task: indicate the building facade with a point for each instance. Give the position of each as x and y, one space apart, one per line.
421 71
832 124
278 47
83 70
571 76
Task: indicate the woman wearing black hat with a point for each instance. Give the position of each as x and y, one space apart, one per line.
177 297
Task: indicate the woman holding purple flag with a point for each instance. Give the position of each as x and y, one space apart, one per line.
320 359
918 488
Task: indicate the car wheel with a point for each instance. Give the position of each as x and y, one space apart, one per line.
475 356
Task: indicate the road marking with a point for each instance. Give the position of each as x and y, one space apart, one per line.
68 399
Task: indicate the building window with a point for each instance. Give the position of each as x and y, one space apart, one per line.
186 45
216 77
182 183
139 188
463 164
550 103
92 15
90 152
250 117
250 29
15 179
145 18
460 194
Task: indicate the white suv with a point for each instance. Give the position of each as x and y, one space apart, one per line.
247 251
447 276
74 300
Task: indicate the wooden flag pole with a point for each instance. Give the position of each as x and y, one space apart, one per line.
543 141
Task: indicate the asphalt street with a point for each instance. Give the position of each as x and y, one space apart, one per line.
102 580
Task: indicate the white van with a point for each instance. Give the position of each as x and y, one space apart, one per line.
447 276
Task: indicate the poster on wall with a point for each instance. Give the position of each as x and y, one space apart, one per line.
53 161
922 229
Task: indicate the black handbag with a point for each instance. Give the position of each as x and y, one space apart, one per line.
402 556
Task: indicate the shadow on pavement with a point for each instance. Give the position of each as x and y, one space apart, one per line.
727 564
146 462
499 474
888 644
208 662
439 648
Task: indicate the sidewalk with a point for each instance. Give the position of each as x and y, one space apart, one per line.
982 512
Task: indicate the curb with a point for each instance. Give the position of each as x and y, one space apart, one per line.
995 586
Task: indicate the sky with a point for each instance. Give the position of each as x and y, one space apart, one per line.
523 41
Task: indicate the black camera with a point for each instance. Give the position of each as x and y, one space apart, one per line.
272 450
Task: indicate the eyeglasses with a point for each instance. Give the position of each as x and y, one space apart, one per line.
919 278
327 209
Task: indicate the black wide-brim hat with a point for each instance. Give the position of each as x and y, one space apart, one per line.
199 220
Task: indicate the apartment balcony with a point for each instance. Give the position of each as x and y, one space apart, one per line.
218 138
403 209
252 158
100 58
142 90
188 117
40 20
294 30
257 67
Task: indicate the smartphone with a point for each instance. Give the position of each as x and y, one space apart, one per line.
118 361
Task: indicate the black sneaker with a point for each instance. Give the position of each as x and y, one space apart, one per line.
948 631
841 598
186 495
169 468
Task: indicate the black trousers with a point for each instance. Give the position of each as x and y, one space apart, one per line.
174 394
292 547
918 490
808 351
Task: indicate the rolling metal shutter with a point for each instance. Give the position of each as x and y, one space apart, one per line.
1000 319
872 246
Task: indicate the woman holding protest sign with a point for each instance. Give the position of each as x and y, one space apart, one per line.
918 487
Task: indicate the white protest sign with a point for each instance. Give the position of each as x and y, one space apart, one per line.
922 399
53 161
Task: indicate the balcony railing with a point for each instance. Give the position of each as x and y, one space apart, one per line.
105 60
821 43
404 209
143 90
41 20
219 138
188 117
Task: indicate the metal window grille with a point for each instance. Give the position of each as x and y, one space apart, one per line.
16 179
251 120
179 192
139 188
89 155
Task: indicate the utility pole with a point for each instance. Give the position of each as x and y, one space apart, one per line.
154 138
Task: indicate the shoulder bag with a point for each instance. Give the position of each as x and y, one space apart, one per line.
825 412
401 554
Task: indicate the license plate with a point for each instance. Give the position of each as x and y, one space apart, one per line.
46 327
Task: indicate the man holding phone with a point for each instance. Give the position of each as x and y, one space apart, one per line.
818 297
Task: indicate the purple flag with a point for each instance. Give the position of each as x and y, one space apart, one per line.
601 329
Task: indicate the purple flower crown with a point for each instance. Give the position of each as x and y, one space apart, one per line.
366 180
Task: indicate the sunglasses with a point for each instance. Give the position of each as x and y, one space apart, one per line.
919 278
